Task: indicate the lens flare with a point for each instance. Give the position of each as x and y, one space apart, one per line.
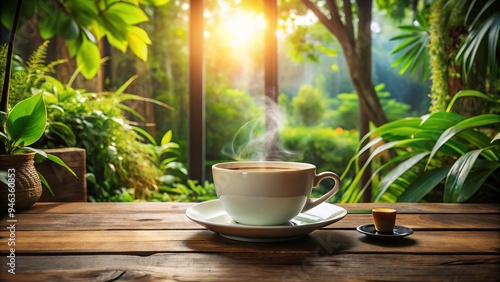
243 29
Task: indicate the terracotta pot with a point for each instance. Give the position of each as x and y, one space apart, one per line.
27 185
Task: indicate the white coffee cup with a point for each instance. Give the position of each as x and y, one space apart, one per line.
268 192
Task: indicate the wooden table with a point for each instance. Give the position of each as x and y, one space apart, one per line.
156 241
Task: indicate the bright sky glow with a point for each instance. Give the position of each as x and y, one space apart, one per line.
243 28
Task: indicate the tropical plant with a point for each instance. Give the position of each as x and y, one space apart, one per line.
442 149
124 162
120 160
480 49
413 51
25 123
175 184
458 50
84 23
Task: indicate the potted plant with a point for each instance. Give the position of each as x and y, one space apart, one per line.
23 125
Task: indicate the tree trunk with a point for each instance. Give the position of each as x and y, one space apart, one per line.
358 54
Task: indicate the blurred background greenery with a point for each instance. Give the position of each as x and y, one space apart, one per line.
137 143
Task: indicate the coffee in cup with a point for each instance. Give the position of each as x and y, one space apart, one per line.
268 192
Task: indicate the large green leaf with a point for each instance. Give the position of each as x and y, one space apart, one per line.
63 131
26 121
468 93
66 27
472 122
119 44
376 151
115 25
129 13
414 50
88 58
441 120
47 28
138 41
390 163
479 140
480 48
60 162
397 172
85 12
461 183
154 2
45 183
425 183
393 126
145 134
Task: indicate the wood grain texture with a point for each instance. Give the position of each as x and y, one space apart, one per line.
157 242
150 207
339 241
256 267
178 221
65 186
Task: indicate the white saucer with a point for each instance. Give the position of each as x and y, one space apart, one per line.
212 215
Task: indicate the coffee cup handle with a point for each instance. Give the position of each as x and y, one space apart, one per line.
317 179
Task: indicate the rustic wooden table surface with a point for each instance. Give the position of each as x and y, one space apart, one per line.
157 242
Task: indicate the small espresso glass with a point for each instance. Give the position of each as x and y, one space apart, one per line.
384 220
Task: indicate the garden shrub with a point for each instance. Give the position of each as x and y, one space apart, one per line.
309 105
120 162
326 148
227 112
344 109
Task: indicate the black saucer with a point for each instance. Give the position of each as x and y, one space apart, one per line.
398 232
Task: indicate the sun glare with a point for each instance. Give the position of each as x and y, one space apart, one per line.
243 29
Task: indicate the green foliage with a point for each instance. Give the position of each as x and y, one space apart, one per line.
227 111
441 149
344 109
396 9
119 159
480 49
309 105
24 125
284 103
26 77
123 161
173 183
327 148
83 23
414 50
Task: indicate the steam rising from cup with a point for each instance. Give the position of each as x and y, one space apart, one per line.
258 139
